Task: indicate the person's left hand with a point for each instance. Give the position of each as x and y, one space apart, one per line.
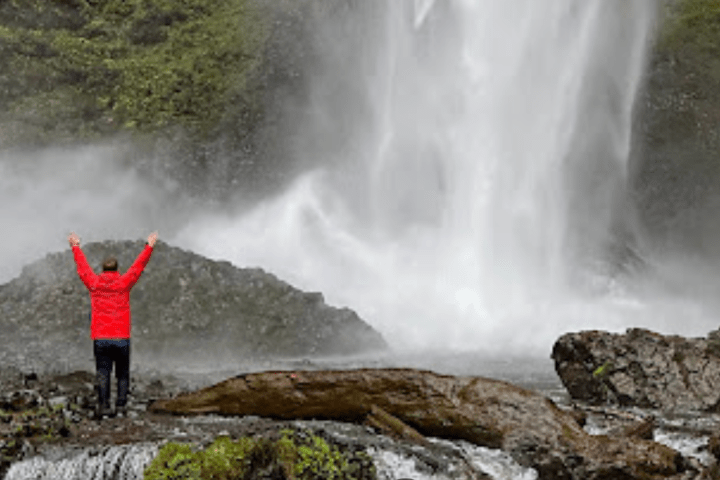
74 240
152 238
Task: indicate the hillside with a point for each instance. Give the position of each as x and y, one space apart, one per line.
186 310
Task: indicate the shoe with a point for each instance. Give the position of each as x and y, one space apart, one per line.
103 412
121 412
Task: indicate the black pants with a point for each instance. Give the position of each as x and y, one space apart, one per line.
108 352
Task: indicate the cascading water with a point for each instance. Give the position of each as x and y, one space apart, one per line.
125 462
474 197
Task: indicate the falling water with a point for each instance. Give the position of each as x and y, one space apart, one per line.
125 462
480 180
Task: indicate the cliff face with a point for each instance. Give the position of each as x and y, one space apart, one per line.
209 92
206 90
677 172
185 309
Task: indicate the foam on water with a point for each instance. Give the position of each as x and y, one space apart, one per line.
125 462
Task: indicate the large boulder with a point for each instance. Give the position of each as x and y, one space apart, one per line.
640 368
184 306
491 413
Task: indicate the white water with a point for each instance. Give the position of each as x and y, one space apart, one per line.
125 462
473 203
128 462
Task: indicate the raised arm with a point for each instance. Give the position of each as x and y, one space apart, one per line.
88 277
133 273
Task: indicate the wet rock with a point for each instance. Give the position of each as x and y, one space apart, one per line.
641 429
21 400
485 412
58 402
678 133
393 426
639 368
714 446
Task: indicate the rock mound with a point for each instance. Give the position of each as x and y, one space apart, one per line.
490 413
641 368
185 308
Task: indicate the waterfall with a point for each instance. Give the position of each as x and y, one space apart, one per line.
472 167
122 462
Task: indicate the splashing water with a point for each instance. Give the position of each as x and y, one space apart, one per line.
474 200
125 462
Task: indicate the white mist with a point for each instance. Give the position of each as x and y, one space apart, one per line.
472 205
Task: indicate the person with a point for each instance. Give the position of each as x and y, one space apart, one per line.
110 321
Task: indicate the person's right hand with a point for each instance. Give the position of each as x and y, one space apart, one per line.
73 239
152 238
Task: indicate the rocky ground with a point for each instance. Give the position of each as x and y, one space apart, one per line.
53 416
47 413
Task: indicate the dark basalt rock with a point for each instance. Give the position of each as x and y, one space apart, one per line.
184 307
640 368
491 413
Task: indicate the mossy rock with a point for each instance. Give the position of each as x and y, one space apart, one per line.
295 455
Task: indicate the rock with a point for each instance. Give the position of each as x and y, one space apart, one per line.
714 447
393 426
642 429
20 400
184 305
485 412
58 401
639 368
677 133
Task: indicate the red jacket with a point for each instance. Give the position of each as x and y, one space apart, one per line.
110 295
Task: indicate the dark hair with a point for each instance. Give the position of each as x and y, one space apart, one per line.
110 265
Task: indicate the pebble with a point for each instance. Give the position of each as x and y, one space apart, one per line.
58 401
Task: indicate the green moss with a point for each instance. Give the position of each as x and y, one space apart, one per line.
174 461
319 460
42 423
293 456
603 370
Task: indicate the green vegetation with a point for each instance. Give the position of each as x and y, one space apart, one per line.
293 456
39 423
692 34
134 64
603 370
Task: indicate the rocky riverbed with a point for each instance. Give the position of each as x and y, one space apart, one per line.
47 426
